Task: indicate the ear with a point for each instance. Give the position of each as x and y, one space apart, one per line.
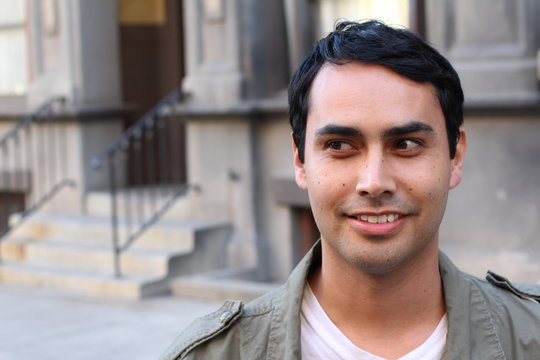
299 170
458 160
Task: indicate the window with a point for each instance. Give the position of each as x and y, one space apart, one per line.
13 47
392 12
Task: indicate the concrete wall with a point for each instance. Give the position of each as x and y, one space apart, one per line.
235 50
74 51
75 55
220 164
237 53
237 159
493 45
492 217
234 160
274 162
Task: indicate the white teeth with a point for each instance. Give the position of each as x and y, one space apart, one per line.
381 219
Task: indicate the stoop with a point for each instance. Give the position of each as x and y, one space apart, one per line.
75 253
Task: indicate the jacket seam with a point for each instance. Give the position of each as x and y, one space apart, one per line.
271 338
489 318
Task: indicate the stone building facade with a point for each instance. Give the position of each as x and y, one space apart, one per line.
232 60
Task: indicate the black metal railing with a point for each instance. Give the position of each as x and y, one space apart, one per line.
146 169
33 163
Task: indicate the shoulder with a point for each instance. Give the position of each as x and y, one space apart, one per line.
251 331
530 292
515 312
204 329
501 292
220 333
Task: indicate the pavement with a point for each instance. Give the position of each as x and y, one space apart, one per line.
48 324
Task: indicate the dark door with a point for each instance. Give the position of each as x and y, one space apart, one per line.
152 62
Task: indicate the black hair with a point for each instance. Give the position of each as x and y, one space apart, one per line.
373 42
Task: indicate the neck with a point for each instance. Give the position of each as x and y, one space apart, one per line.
401 307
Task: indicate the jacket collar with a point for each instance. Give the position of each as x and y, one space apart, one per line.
284 342
471 333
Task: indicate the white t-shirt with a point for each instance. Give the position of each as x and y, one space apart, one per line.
322 339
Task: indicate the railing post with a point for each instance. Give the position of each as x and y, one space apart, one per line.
25 158
141 143
114 216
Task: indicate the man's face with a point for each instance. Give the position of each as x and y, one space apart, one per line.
377 166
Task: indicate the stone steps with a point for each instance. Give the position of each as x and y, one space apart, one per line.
82 283
96 230
82 257
75 253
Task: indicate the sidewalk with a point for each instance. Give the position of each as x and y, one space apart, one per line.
51 325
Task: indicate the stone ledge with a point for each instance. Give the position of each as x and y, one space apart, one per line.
84 113
220 286
501 108
266 106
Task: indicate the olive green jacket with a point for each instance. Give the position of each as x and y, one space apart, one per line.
491 319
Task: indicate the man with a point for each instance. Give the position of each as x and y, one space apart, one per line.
376 116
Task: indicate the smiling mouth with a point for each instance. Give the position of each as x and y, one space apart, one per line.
378 219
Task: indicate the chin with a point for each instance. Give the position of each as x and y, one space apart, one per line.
381 260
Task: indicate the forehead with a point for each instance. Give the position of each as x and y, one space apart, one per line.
364 93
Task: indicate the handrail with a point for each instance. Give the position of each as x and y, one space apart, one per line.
33 162
150 150
136 128
29 118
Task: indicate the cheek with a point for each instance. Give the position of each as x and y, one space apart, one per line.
327 188
430 183
435 189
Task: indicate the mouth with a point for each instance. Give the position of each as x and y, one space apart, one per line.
378 219
377 224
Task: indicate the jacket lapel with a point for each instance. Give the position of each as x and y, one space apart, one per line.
284 339
471 333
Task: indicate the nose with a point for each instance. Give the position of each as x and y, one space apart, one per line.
375 177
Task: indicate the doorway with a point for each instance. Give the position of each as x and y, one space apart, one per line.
152 65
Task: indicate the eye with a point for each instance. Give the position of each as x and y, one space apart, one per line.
407 144
338 145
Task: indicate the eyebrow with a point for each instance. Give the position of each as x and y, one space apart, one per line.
412 127
349 131
332 129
